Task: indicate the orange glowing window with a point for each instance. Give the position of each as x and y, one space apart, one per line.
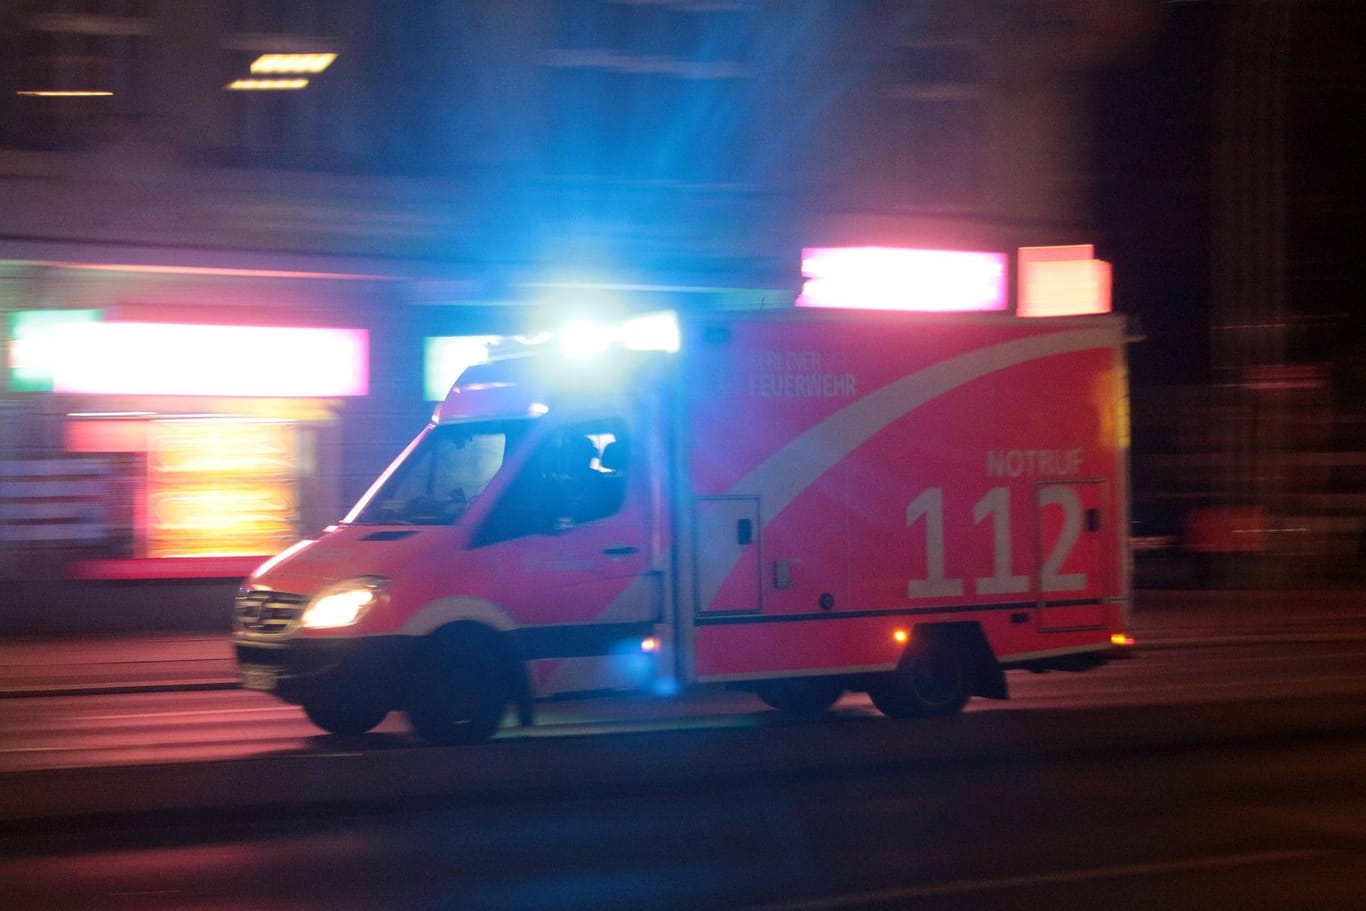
220 487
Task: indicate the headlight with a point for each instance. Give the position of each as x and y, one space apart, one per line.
345 603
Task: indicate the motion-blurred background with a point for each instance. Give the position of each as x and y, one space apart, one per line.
245 244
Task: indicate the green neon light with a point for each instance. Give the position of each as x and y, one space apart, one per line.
35 345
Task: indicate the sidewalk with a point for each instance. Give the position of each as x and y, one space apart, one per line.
79 665
84 664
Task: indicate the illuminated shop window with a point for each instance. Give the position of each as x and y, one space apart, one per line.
204 492
220 487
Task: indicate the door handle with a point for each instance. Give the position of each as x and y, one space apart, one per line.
621 550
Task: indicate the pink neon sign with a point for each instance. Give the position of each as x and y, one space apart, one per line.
185 359
896 278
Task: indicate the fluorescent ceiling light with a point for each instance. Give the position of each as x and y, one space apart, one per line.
292 63
71 93
266 85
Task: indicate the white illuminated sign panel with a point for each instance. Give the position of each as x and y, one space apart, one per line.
111 358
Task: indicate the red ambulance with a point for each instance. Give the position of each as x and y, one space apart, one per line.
801 503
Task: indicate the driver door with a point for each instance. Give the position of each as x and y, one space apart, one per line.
573 531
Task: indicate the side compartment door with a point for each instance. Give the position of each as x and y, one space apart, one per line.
726 554
1073 552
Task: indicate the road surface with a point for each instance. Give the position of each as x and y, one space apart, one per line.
1207 773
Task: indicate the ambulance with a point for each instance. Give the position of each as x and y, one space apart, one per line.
800 503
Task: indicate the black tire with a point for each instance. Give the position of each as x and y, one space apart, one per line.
347 719
933 678
458 692
800 695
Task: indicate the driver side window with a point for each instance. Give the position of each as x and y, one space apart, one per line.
575 476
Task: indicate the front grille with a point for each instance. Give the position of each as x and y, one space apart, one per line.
267 613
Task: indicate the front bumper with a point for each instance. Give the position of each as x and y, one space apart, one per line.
310 671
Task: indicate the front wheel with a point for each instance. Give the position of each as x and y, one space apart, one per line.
457 693
933 678
347 719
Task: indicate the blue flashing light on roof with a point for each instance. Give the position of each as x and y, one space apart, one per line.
652 332
648 332
581 340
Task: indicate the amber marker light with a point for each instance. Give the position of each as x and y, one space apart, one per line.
901 636
649 644
1121 639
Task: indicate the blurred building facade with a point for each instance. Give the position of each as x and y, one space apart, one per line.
462 167
1256 476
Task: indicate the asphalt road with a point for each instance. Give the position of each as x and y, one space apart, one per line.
1277 821
149 724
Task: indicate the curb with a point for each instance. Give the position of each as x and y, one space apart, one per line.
44 691
231 682
1250 639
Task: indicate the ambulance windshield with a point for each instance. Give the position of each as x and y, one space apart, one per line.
442 475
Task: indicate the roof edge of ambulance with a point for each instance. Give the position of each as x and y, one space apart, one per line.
529 384
517 384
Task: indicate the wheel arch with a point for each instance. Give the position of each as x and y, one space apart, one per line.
987 679
455 609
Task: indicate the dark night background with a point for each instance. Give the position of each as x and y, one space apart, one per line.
1157 139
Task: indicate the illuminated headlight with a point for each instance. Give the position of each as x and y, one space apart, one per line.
345 603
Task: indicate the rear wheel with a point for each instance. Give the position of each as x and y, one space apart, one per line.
458 691
348 719
800 696
933 678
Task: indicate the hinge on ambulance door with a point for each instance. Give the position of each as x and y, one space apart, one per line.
782 574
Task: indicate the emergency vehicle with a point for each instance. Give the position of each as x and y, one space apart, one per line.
801 503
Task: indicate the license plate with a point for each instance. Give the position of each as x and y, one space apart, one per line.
259 678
